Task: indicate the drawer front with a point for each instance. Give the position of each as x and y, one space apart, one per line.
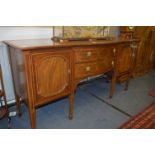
86 54
85 69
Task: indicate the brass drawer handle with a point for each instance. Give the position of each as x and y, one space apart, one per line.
69 71
114 50
112 63
87 68
133 55
89 54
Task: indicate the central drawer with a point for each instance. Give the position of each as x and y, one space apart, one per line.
86 54
85 69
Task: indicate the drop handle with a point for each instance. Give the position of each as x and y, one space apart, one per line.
89 54
112 63
87 68
133 55
114 50
69 71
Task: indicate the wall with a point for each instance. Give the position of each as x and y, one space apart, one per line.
15 33
114 31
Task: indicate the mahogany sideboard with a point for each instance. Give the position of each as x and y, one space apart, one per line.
44 71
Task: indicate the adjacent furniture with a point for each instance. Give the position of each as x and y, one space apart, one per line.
127 32
145 58
44 71
146 52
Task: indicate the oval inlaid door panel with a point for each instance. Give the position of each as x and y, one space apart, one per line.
51 75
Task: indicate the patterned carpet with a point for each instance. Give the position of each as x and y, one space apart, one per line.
143 120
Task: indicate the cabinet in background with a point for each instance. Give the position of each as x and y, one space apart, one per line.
145 57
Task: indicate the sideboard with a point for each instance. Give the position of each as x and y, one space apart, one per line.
44 71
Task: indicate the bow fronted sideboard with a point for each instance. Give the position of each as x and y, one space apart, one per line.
44 71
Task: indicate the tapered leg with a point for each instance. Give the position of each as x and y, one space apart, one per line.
32 113
127 83
113 81
18 105
71 105
7 111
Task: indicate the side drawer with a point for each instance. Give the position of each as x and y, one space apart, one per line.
85 69
86 54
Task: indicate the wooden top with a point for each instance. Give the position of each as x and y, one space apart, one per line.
29 44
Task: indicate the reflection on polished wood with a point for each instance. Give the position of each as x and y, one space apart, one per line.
44 71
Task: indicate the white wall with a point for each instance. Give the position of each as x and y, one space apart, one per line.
15 33
11 33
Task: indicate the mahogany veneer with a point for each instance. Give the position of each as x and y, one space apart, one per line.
44 71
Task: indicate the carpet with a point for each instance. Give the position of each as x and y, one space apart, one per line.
143 120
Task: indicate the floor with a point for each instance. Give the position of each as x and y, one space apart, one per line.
93 108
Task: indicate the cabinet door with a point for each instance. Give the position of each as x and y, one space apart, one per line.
124 59
51 75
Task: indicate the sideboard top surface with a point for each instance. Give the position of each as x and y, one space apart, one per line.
29 44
